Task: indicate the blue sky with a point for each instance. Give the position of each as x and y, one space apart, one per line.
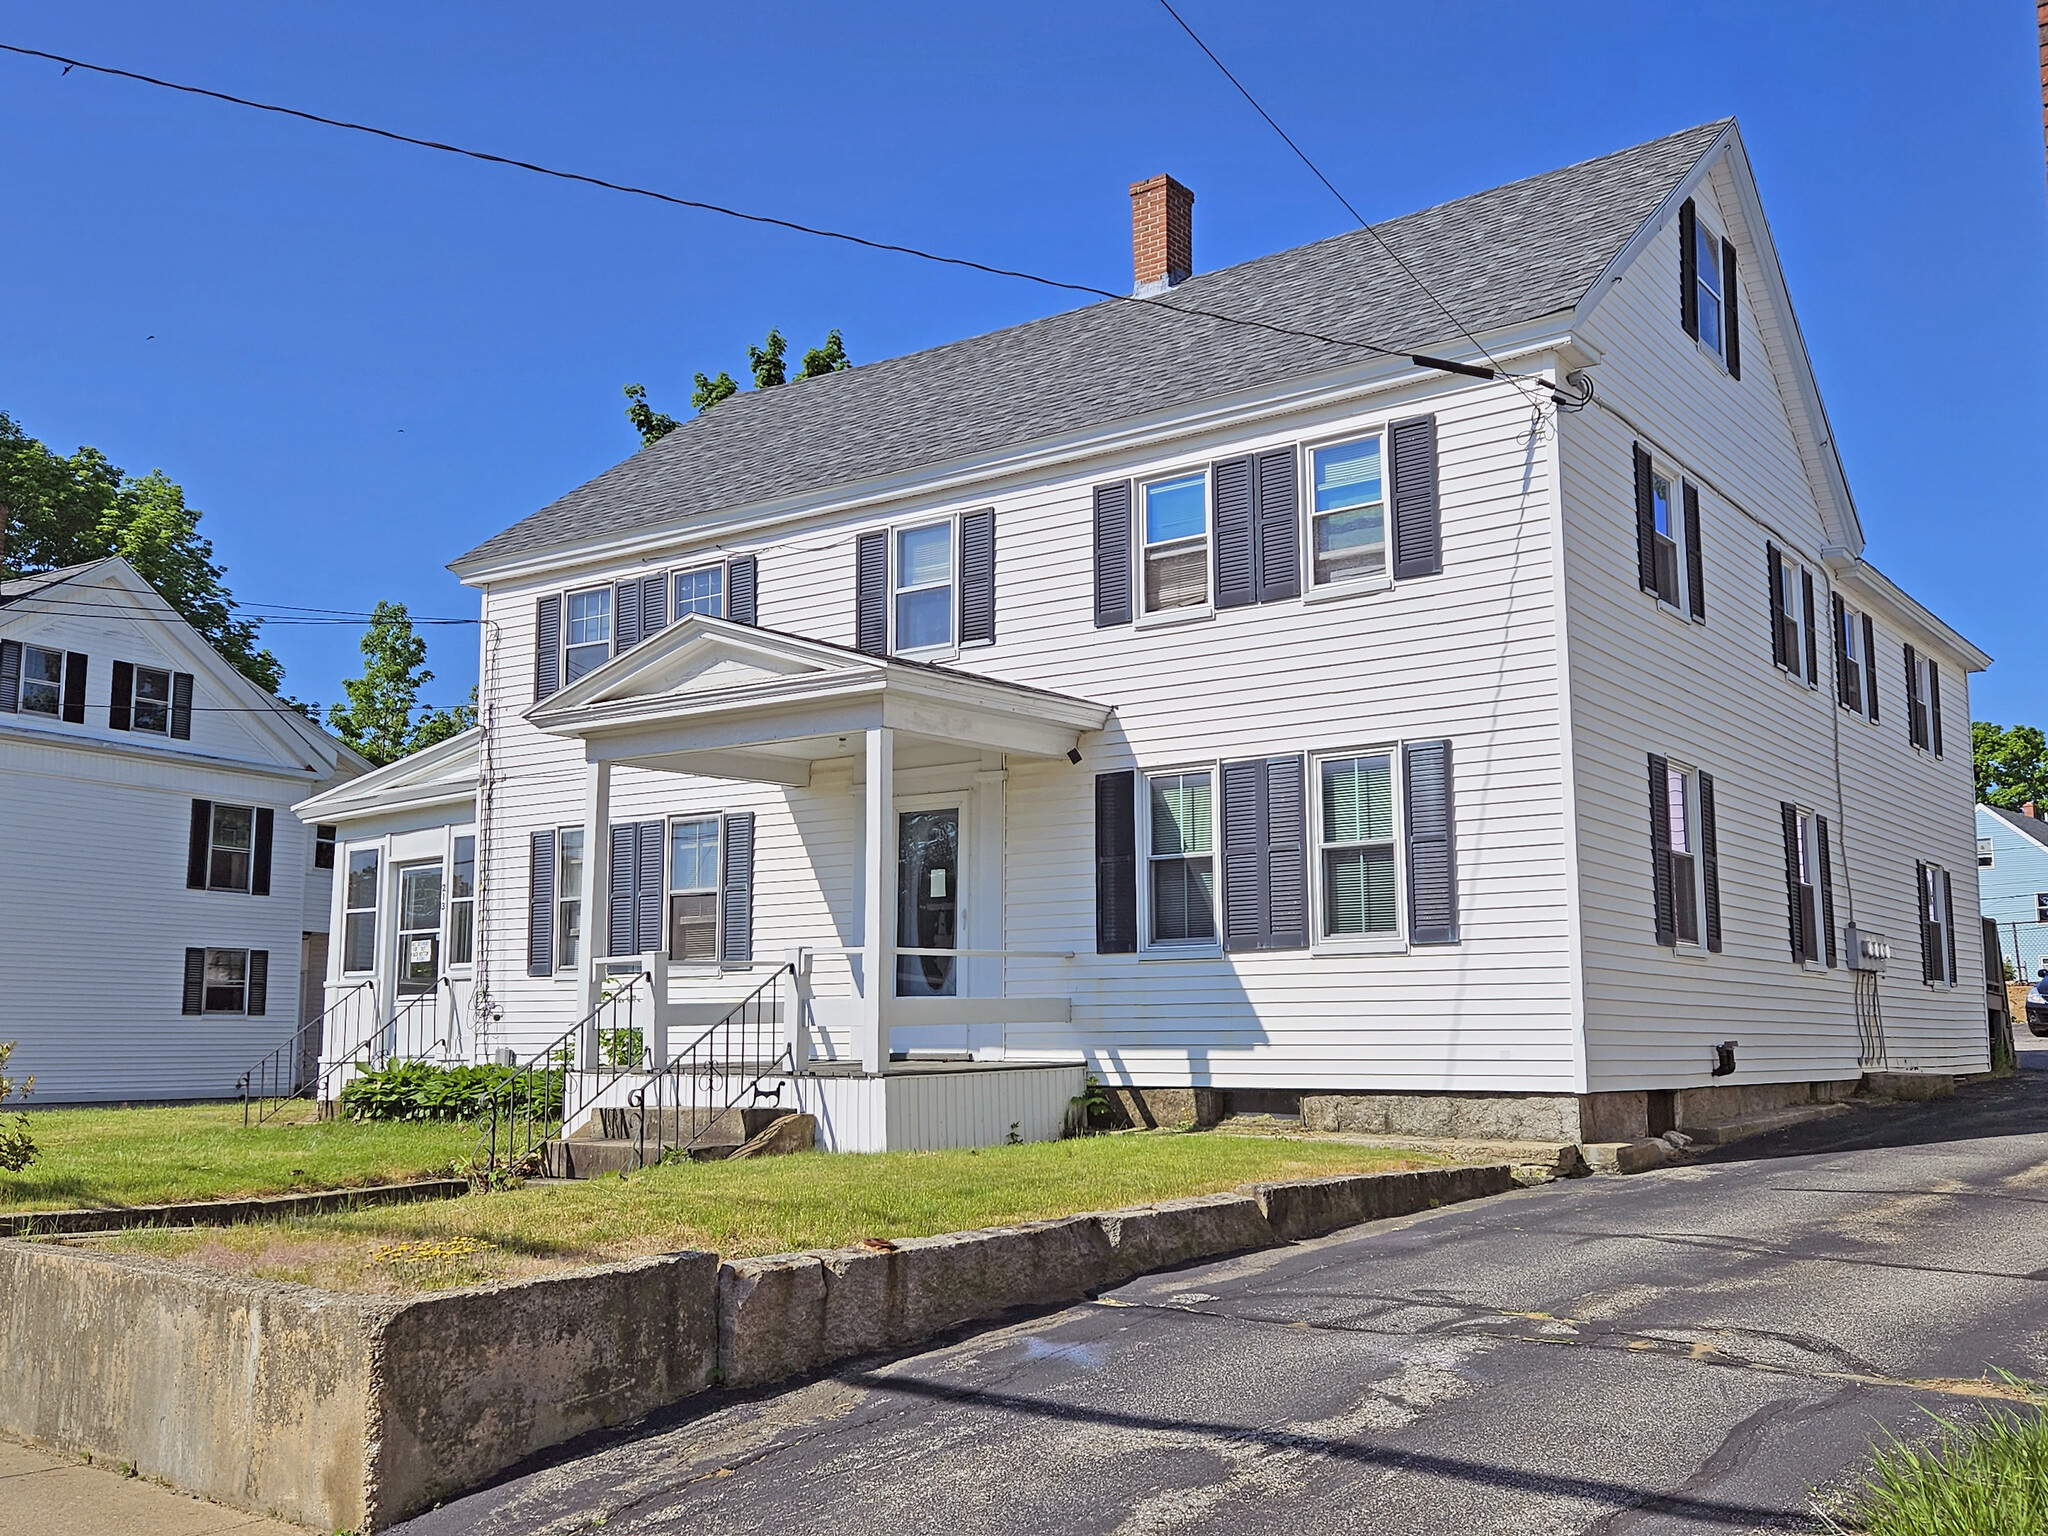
368 358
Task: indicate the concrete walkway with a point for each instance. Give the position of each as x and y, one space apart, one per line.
46 1495
1695 1349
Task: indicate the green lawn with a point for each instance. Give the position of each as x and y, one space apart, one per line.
774 1205
107 1157
1984 1479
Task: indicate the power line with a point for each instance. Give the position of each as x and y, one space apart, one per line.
1363 222
816 231
120 611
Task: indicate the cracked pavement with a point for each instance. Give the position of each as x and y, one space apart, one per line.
1697 1349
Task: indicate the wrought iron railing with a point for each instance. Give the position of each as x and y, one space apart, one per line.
575 1069
708 1079
414 1031
293 1069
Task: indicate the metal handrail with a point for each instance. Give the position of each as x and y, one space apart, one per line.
395 1039
531 1106
273 1081
706 1079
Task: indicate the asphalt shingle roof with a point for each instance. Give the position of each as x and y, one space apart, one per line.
1515 253
2026 826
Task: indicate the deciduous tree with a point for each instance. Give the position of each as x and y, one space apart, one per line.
383 719
2012 764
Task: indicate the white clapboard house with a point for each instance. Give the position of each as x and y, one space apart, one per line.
160 902
1263 709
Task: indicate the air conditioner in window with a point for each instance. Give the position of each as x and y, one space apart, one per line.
1867 951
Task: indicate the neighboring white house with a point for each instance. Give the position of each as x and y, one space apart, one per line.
1256 708
161 902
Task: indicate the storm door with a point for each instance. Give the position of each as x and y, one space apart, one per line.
928 901
419 929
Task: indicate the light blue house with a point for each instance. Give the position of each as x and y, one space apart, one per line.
2012 882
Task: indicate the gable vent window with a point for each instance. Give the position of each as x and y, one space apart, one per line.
1349 538
1987 856
588 632
1706 283
53 684
1174 540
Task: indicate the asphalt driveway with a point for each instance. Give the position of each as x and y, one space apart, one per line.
1695 1349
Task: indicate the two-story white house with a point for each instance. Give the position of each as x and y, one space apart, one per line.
1213 688
159 902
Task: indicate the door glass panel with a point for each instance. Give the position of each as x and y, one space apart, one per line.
927 901
419 928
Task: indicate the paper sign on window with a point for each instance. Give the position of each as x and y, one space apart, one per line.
419 952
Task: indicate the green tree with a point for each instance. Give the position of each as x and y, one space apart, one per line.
652 425
766 361
710 391
2012 764
830 358
69 511
383 719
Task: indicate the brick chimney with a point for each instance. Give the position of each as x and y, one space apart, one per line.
2028 810
1162 234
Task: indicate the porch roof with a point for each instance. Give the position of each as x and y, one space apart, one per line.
708 696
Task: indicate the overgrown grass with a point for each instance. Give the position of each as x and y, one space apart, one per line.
112 1157
774 1205
1989 1478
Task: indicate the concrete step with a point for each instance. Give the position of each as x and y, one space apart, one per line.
1720 1132
733 1127
590 1157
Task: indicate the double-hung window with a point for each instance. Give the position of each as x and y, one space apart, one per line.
227 981
1358 866
359 913
2040 901
152 705
1682 835
324 839
1349 539
1937 918
1987 856
462 901
693 889
1666 537
231 848
569 900
1181 858
1806 885
588 632
1711 288
1173 535
42 681
1849 657
923 587
1794 645
701 591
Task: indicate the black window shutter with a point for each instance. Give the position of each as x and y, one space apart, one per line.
1710 863
1112 556
1660 851
199 846
1934 703
1116 863
625 617
195 982
1789 815
1277 525
1922 900
742 581
1418 530
978 576
1775 565
1646 524
1688 270
1916 721
259 982
121 696
547 646
1245 896
1236 554
181 705
653 605
1847 686
1827 893
74 688
1731 312
259 861
1286 854
736 899
1432 850
621 897
10 676
1812 635
1870 663
540 905
647 891
1695 564
871 594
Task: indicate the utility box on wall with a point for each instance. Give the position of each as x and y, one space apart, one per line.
1867 951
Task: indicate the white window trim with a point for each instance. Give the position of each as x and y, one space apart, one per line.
1395 943
1922 665
671 577
344 853
1793 570
205 986
951 648
1193 613
1809 838
213 832
1946 889
1680 607
1305 457
1180 949
136 702
716 890
449 899
1694 949
25 682
1702 231
611 635
1987 853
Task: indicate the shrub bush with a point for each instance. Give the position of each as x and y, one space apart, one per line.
420 1090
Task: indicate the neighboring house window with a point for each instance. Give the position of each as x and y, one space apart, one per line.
1358 866
462 902
1794 640
701 592
1349 539
42 680
1923 701
323 845
227 981
152 701
1852 662
569 906
1937 927
359 912
693 889
1180 855
1807 870
923 581
1174 540
1665 535
1986 853
2040 904
231 847
1707 264
589 632
1809 885
1681 831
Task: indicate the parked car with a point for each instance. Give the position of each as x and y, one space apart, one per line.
2037 1004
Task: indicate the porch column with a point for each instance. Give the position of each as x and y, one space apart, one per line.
597 847
878 916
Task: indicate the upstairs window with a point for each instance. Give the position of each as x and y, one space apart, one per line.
232 847
701 591
152 701
42 681
1794 640
589 632
1986 857
1181 858
1665 534
1707 266
1174 535
693 889
924 587
1349 539
1923 701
